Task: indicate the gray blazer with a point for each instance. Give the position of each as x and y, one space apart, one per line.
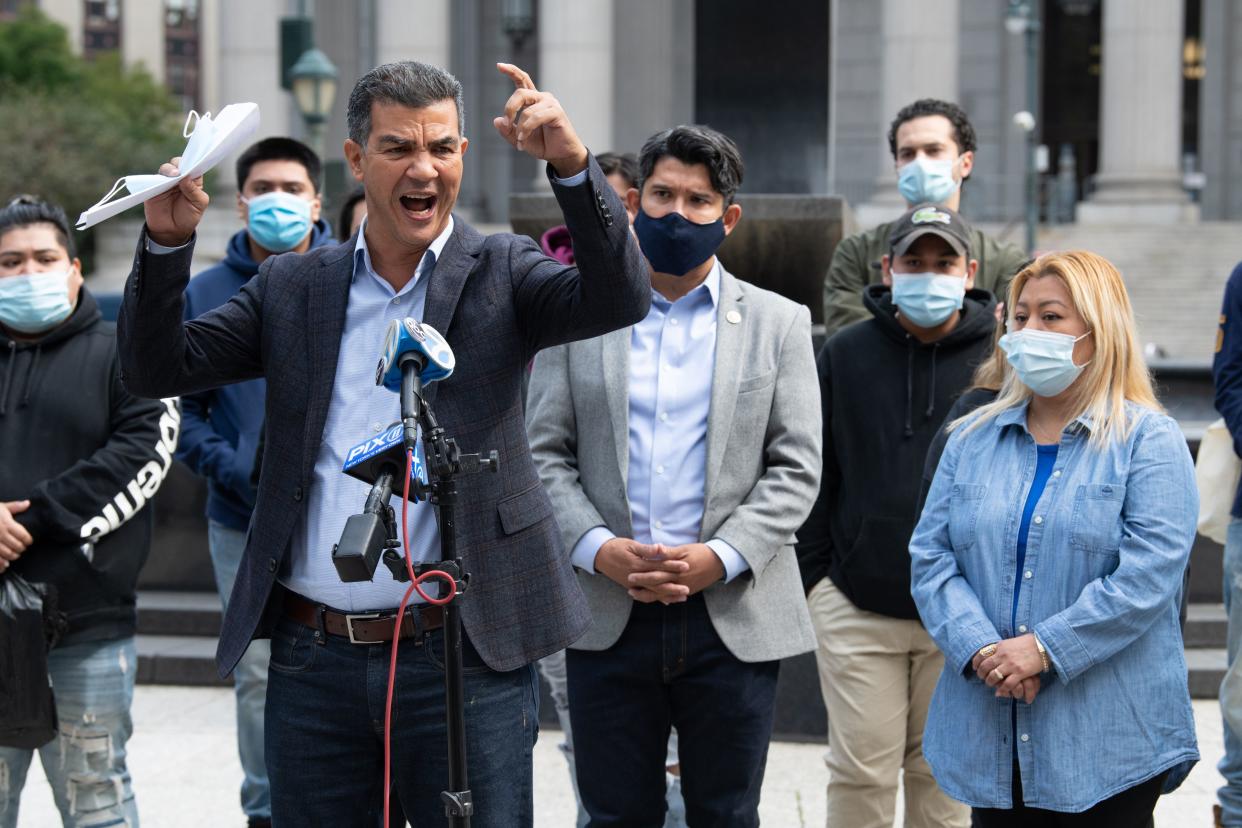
498 300
763 464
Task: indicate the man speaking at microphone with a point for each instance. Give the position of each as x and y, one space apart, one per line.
312 325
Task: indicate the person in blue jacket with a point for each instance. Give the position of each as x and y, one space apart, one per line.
279 200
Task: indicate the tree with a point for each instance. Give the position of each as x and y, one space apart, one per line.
72 126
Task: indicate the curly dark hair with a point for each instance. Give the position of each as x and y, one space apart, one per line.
963 132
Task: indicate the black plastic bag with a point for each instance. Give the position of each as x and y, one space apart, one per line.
29 626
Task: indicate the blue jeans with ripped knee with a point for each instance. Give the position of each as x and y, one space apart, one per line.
85 763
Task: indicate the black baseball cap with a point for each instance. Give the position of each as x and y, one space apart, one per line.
935 219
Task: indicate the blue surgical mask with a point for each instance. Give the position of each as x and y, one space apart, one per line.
926 179
1043 360
928 299
675 245
278 220
35 302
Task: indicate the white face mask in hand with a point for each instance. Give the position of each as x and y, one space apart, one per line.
200 139
209 142
1044 360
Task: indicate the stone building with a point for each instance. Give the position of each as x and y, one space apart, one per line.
1138 102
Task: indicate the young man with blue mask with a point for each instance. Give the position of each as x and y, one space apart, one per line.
279 201
886 385
933 147
681 454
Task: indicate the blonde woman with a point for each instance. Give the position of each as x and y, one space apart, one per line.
1047 565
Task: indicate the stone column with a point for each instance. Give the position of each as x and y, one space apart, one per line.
407 32
919 47
142 36
1141 116
246 67
576 64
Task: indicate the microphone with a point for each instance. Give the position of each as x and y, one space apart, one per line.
379 461
413 355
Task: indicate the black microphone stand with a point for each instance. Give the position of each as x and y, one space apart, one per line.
445 464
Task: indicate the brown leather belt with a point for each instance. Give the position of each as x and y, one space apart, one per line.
363 627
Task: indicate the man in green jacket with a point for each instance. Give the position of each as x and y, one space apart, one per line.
933 147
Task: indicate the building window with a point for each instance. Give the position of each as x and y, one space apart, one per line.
101 27
181 51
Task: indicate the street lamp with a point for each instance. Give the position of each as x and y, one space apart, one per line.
1023 18
313 81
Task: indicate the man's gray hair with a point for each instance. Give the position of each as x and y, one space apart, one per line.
408 83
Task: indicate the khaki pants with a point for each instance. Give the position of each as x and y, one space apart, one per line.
877 675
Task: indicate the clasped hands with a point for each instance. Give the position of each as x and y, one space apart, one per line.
1011 666
655 572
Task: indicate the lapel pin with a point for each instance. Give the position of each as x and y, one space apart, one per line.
733 316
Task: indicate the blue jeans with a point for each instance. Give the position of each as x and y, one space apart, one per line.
553 669
670 669
1230 766
249 677
85 764
325 732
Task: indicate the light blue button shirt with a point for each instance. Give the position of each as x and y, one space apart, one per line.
360 409
672 358
1100 587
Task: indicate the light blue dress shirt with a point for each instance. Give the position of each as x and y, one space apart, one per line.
672 360
1101 585
360 409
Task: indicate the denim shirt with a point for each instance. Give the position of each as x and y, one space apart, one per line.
1100 587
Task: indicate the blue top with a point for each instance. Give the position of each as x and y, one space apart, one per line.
220 428
1045 460
1101 580
1227 368
672 362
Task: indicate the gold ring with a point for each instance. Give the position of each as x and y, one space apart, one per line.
997 674
988 651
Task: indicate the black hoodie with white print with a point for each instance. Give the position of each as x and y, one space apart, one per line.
89 456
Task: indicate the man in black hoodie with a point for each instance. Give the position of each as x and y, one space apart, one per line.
80 457
279 201
886 385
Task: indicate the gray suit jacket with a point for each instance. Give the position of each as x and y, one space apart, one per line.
763 464
498 300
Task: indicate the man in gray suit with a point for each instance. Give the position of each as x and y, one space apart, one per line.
311 324
681 454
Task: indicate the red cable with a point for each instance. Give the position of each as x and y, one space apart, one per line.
415 586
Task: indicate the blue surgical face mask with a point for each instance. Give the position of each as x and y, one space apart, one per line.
35 302
927 179
1043 360
675 245
928 299
278 220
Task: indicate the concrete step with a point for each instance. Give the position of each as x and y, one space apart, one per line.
1207 669
178 659
163 613
1206 626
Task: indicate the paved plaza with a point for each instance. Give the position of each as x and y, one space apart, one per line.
186 773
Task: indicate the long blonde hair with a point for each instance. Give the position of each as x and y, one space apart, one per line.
1116 374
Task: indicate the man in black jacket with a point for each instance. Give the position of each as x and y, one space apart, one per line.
81 459
886 384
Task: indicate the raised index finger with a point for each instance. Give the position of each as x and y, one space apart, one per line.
520 79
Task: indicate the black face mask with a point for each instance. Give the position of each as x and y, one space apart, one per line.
675 245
